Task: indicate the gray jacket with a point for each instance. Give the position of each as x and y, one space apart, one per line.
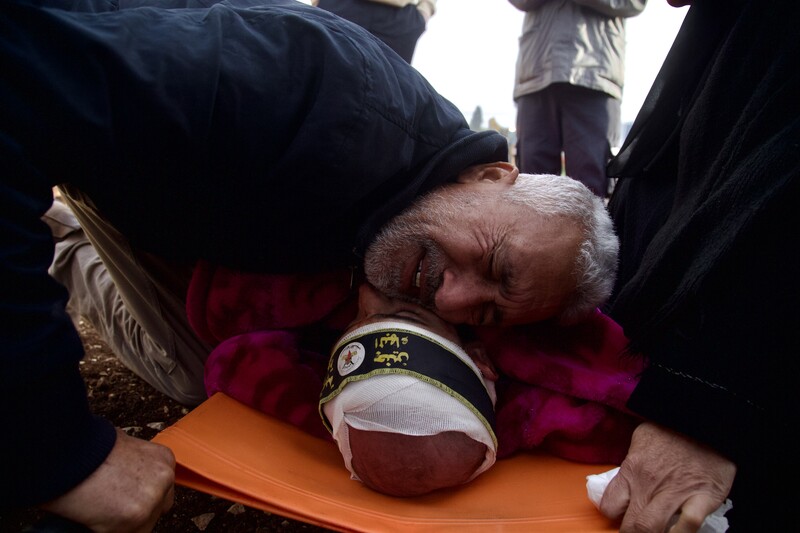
581 42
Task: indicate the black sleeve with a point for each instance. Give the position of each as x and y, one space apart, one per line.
50 442
708 287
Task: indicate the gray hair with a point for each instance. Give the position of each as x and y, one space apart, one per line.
596 264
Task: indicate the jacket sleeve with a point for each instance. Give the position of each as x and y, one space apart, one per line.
725 371
51 441
707 287
614 8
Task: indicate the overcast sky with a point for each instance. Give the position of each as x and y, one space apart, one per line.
469 51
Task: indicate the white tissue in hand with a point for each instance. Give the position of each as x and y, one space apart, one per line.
596 485
714 523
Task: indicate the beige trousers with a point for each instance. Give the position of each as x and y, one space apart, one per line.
135 301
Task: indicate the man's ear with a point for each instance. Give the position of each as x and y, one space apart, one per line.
499 171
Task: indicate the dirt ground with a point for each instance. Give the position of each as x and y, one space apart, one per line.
130 403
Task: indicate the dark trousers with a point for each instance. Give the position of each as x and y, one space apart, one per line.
398 28
581 122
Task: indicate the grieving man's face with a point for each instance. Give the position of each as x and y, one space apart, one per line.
476 259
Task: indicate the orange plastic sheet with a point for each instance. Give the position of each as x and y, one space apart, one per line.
232 451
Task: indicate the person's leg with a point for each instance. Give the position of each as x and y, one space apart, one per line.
538 133
590 122
135 301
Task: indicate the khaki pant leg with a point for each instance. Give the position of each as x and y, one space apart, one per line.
135 300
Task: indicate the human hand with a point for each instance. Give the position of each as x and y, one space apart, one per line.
426 9
127 493
667 482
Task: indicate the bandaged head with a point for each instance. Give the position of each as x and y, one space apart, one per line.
396 377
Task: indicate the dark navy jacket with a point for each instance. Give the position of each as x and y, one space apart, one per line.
271 138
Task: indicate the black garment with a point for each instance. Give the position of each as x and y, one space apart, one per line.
399 27
708 281
276 138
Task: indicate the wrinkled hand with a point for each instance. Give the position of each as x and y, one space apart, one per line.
664 474
127 493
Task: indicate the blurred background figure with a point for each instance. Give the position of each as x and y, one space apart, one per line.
398 23
569 79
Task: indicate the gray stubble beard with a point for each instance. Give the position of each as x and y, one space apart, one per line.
398 239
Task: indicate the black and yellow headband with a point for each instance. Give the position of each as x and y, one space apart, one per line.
386 348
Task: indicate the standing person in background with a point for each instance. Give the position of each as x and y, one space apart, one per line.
570 72
398 23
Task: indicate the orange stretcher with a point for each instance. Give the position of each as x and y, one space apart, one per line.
229 450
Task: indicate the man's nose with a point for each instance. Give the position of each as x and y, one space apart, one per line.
460 294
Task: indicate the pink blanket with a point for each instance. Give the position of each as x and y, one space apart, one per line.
562 389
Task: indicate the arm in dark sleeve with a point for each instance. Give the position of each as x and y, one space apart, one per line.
725 372
51 442
709 290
